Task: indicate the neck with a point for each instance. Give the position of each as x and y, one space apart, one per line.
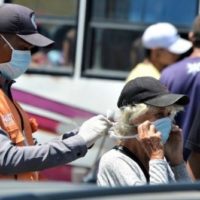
155 63
195 52
5 85
2 81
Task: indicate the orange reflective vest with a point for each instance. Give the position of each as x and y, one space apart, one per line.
12 118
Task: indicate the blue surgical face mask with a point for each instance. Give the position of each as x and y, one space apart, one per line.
18 64
164 126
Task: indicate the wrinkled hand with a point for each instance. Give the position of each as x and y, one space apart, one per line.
174 146
94 128
151 140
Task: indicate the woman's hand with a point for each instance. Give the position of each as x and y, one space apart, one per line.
174 146
151 140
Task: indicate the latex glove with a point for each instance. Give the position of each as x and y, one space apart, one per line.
94 128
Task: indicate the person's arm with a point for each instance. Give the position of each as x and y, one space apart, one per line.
193 144
193 165
181 173
14 159
150 140
174 154
158 171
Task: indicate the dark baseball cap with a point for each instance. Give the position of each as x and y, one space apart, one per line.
20 20
150 91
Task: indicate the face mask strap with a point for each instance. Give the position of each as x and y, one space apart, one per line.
112 134
8 43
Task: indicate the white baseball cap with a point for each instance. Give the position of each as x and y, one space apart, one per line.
165 35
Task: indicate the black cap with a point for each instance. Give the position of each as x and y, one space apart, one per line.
20 20
150 91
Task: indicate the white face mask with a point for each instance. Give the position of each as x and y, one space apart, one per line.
163 125
18 64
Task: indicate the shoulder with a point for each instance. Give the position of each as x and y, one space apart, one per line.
176 71
143 69
176 66
109 157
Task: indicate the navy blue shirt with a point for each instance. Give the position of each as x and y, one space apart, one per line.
193 140
183 77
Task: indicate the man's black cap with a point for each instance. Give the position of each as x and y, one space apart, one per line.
150 91
20 20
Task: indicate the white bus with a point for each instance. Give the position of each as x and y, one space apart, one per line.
84 72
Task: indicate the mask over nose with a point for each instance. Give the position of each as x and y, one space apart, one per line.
164 126
18 64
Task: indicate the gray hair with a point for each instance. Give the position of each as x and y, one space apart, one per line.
125 126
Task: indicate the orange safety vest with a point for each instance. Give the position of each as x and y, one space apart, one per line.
11 116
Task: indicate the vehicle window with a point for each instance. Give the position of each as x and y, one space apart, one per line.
146 11
115 27
58 21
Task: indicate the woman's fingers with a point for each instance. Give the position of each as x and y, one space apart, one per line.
143 129
147 130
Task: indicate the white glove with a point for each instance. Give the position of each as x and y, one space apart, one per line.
94 128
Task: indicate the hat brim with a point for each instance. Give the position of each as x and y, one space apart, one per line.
168 100
36 39
180 46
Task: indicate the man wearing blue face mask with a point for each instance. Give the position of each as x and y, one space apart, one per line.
19 157
150 145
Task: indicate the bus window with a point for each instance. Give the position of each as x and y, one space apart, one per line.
171 12
146 11
115 26
58 21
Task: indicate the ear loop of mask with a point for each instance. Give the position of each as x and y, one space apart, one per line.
8 43
112 134
111 116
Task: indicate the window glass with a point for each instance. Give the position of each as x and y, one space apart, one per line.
170 11
146 11
114 49
56 20
113 41
60 8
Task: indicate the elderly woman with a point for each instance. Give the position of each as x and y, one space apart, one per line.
150 145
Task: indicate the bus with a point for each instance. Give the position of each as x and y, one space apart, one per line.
83 73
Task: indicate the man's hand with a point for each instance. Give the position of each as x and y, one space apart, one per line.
94 128
151 140
174 146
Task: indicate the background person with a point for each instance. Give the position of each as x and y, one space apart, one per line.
19 158
163 46
184 77
155 157
65 55
193 144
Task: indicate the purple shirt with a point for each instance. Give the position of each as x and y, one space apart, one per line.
183 77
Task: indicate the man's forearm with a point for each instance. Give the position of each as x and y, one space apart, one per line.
15 159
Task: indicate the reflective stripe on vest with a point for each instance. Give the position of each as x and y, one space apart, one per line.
10 121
